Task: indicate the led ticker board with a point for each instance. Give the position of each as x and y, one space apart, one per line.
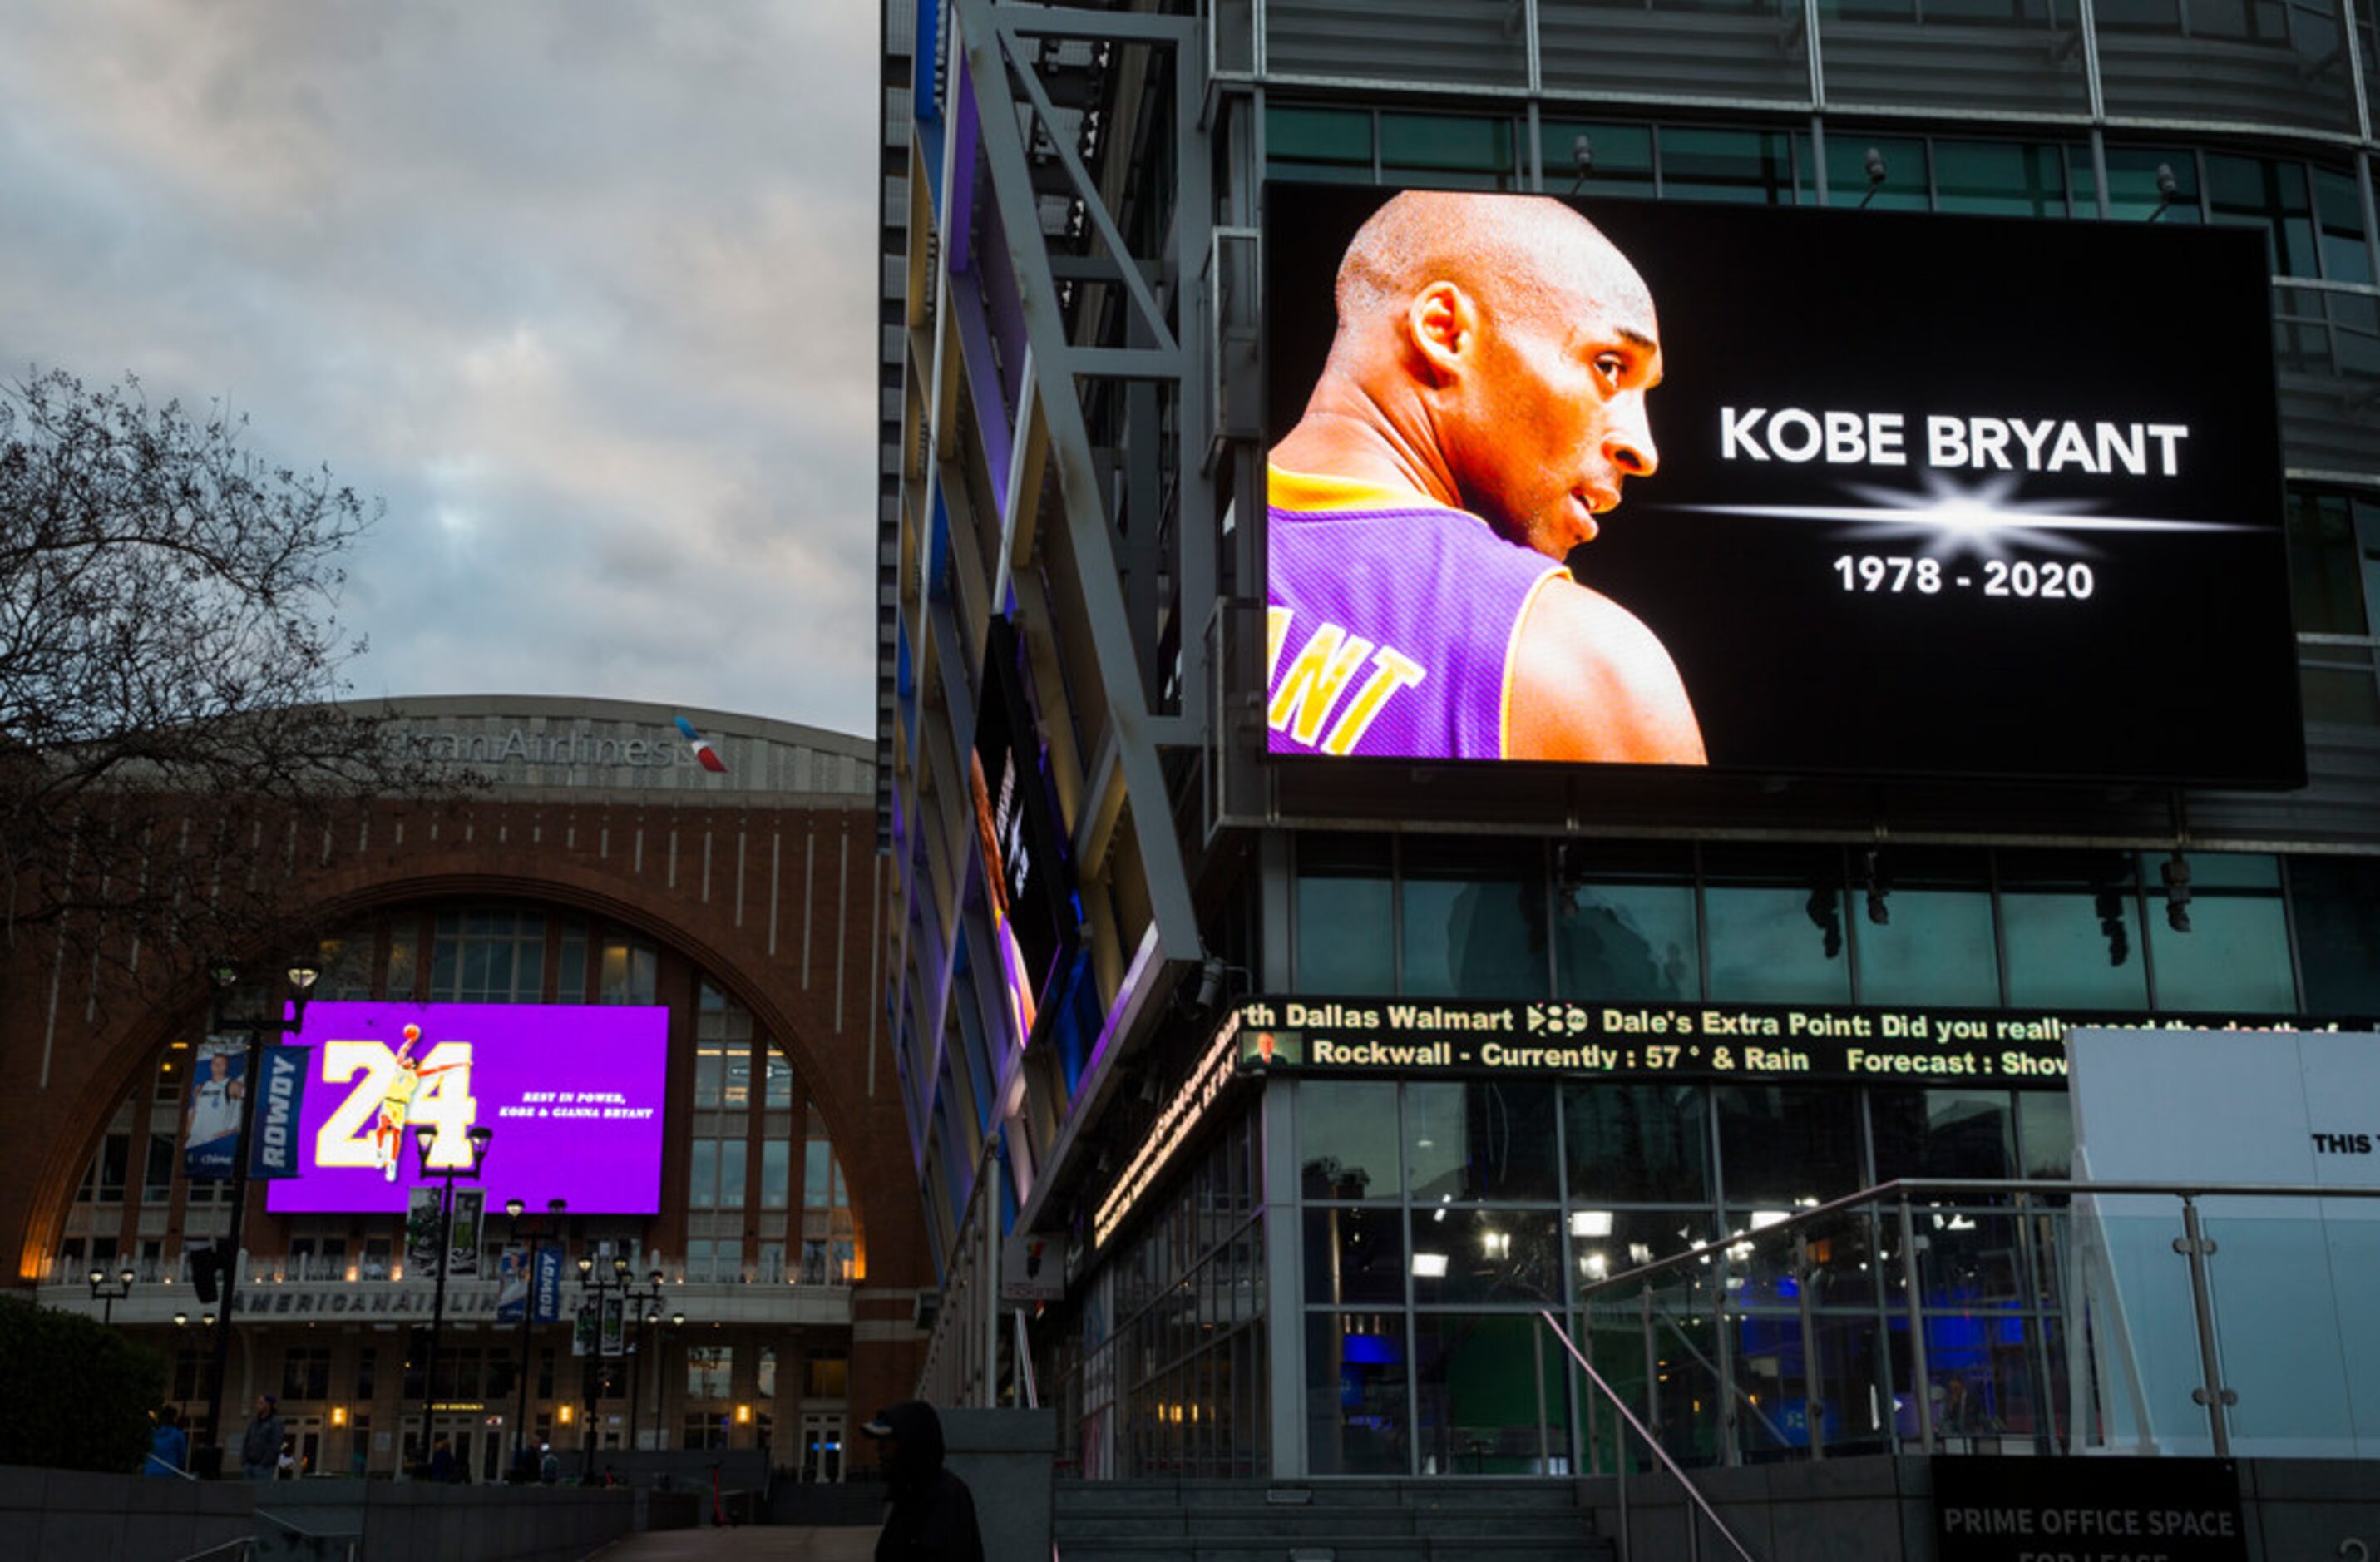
573 1093
1636 1042
1773 490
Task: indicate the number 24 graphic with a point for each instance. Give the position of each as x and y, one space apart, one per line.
443 1101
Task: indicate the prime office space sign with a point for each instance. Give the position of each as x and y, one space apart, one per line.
2087 1510
1636 1041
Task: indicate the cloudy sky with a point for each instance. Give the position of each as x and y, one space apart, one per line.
583 289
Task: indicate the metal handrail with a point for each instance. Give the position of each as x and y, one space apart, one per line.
1913 1187
242 1547
306 1535
1694 1493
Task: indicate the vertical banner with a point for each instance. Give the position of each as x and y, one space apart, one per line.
421 1235
470 1212
582 1335
512 1284
280 1094
615 1321
210 1120
548 1287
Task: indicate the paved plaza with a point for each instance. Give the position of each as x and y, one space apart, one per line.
781 1543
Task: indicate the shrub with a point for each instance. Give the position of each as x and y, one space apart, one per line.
78 1395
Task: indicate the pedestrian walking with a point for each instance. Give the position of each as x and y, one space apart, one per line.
929 1513
169 1445
260 1446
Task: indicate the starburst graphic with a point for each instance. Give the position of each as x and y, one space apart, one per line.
1951 522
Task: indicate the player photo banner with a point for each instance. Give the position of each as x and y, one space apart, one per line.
549 1285
1773 491
210 1117
512 1284
422 1219
463 1255
615 1325
573 1093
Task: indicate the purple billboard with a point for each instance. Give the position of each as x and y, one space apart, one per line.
572 1091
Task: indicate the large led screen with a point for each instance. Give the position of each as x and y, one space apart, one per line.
572 1091
1773 490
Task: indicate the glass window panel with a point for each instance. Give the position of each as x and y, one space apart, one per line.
1354 1257
816 1157
1619 157
1851 178
1446 149
2339 937
1345 916
2001 177
2261 192
730 1174
2339 216
1630 1144
1356 1414
1347 1139
1626 941
1937 945
1753 166
1952 1134
1320 135
2325 566
1480 1140
1779 1146
1607 1242
779 1082
2045 1129
709 1068
2339 696
1775 924
1490 1396
1463 1256
702 1180
2071 932
776 1173
2235 959
2134 176
1474 921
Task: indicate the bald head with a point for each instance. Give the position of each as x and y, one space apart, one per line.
1528 254
1493 354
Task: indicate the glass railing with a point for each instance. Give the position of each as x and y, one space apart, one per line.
2003 1318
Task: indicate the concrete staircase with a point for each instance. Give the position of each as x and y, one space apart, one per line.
1353 1520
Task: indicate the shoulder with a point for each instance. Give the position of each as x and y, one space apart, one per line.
1589 681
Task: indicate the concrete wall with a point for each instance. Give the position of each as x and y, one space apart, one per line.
409 1522
74 1516
1009 1460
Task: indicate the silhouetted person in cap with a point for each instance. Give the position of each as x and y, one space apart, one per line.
929 1513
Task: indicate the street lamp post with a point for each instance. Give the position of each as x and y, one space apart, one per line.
636 1302
549 1226
425 1139
676 1320
597 1282
107 1294
225 976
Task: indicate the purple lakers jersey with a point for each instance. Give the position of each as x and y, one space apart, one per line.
1392 623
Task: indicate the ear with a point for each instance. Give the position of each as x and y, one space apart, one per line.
1442 328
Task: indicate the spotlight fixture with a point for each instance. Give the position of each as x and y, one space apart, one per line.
1582 158
2169 187
1878 886
2110 907
1826 914
1874 164
2176 873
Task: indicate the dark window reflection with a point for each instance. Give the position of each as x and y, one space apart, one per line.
1934 943
1953 1133
1776 925
1779 1146
1357 1421
1491 1396
1474 920
1474 1256
1345 921
2070 929
1347 1139
2339 937
1636 1144
1480 1140
1354 1257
